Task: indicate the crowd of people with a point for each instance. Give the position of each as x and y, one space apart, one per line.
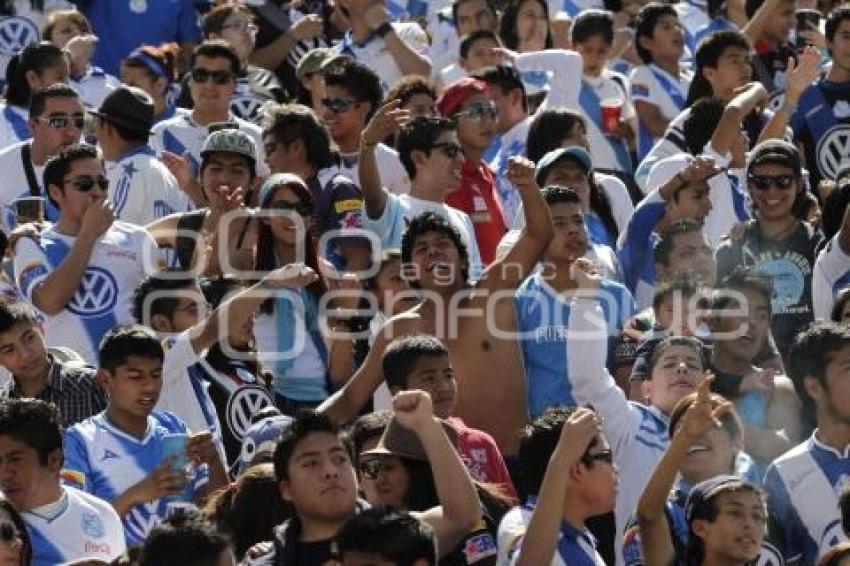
373 282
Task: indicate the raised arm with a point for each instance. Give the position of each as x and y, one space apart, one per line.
799 76
751 96
386 122
566 69
274 54
408 59
460 509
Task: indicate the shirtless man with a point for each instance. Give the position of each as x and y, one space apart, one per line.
491 378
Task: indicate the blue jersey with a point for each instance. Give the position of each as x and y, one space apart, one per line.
106 461
76 526
803 486
635 249
542 320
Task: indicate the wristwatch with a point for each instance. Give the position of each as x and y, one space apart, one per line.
383 29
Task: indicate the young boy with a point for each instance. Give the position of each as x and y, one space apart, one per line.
659 86
770 23
386 536
593 34
422 362
120 455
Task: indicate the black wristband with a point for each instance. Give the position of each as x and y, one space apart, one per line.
383 29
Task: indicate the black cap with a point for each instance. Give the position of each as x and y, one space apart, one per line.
775 151
704 491
128 106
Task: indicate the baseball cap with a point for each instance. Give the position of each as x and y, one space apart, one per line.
127 106
277 180
775 151
315 60
260 437
457 93
704 491
400 441
574 152
230 140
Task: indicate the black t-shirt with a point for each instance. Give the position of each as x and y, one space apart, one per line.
314 553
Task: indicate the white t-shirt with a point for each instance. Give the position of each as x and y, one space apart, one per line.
93 86
608 85
648 85
393 175
77 526
14 184
13 122
376 56
119 261
142 189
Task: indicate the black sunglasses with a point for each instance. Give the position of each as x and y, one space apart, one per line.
301 208
370 468
85 183
449 149
764 182
603 456
201 75
61 121
338 105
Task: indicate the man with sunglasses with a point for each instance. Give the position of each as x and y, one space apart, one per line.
179 140
569 476
82 271
466 101
56 121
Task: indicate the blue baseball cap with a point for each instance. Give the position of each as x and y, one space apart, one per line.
574 152
704 491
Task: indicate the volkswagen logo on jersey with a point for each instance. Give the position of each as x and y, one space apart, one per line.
96 294
243 404
247 107
15 34
833 150
92 525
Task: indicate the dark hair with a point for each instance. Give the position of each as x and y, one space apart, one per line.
811 351
367 427
287 123
708 510
14 312
682 286
844 506
743 279
557 194
391 534
214 48
358 80
33 422
701 122
834 19
456 4
840 302
708 54
249 509
402 354
592 23
537 445
18 521
467 41
156 60
645 22
505 77
214 20
36 57
420 135
432 222
186 538
169 279
408 87
60 164
507 23
123 341
667 239
306 423
39 98
548 129
674 341
833 210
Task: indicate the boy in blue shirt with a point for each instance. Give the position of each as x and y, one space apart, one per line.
120 454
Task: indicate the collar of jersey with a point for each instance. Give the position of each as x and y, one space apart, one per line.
143 149
107 424
51 511
821 446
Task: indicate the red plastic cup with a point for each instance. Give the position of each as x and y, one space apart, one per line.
611 110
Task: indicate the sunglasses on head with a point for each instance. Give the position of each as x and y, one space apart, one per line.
85 183
338 105
479 112
602 456
62 121
370 468
449 149
301 208
201 75
764 182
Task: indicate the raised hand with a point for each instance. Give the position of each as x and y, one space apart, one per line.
585 273
413 409
701 416
762 380
521 173
388 120
580 428
295 275
201 448
180 166
307 27
97 218
699 169
801 73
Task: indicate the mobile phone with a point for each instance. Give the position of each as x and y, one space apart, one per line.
175 445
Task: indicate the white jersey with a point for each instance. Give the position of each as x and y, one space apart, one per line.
637 433
609 85
119 261
93 86
654 85
671 143
181 134
374 52
77 526
831 274
142 189
14 184
23 27
13 122
393 175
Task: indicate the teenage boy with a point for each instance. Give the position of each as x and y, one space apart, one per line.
422 362
659 87
63 523
804 484
592 35
386 536
568 477
81 272
770 23
126 454
40 373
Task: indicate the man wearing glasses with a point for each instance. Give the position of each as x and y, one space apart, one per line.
215 66
466 101
83 269
56 121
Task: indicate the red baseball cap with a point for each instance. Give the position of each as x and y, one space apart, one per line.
457 93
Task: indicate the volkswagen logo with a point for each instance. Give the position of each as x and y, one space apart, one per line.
96 294
833 150
242 405
15 34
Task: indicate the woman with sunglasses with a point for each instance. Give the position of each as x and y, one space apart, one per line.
15 546
779 243
308 365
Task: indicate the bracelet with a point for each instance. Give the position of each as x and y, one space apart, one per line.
383 29
366 142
